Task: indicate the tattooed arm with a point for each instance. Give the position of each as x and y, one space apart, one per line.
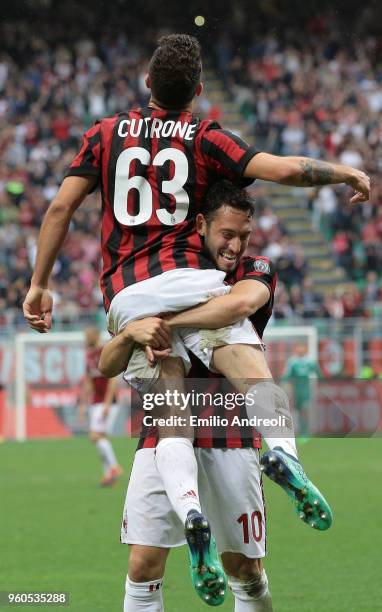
306 172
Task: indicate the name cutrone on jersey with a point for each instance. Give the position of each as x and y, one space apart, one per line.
156 128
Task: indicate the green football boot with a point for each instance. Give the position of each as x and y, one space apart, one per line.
286 471
207 573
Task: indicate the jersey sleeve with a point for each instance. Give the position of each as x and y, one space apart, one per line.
260 269
87 161
226 154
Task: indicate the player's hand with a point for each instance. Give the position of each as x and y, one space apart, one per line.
361 185
37 308
155 355
152 331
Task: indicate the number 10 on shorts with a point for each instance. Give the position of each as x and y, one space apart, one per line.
253 524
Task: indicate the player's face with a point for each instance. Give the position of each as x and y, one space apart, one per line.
226 236
301 350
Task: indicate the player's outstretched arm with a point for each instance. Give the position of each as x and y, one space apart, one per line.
115 355
245 298
38 303
307 172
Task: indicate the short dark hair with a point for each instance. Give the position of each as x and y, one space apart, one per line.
225 193
175 70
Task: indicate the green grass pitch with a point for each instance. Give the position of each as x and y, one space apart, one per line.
59 531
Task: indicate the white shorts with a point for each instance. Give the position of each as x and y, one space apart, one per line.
174 291
202 342
231 497
170 291
97 423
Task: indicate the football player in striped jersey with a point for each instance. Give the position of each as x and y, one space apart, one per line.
229 480
97 393
154 166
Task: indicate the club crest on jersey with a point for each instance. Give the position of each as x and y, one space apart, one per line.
261 266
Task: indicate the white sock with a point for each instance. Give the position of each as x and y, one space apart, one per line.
266 400
99 447
143 596
176 463
106 451
251 595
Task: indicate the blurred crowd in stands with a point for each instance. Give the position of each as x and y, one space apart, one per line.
317 92
322 100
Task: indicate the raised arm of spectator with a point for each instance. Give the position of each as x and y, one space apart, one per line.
306 172
38 303
246 297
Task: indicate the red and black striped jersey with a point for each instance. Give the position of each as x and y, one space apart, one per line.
154 168
99 382
263 270
218 433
